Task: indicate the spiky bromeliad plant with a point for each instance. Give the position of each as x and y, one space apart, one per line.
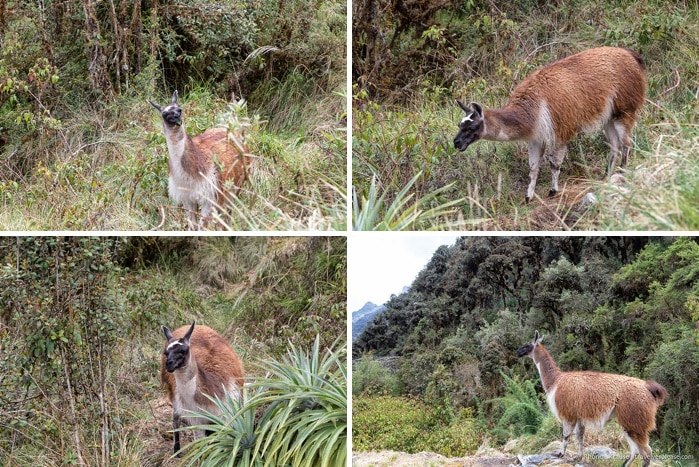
302 408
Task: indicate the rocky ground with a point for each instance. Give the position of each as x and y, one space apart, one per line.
487 457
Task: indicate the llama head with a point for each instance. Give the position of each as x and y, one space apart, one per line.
527 350
171 113
472 126
177 350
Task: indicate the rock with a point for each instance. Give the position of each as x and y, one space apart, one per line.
600 452
588 200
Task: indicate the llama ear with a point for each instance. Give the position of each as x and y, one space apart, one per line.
463 106
160 109
478 109
168 334
174 97
537 339
189 333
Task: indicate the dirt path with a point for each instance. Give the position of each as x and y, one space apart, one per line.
492 458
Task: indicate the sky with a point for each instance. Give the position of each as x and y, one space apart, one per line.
381 265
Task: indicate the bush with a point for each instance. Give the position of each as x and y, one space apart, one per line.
370 377
404 424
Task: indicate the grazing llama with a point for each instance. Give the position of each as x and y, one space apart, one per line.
604 87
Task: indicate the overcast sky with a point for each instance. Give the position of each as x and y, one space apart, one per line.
381 265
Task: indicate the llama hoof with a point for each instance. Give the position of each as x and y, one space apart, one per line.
527 199
552 192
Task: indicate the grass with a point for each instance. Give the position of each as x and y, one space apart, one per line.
107 170
404 160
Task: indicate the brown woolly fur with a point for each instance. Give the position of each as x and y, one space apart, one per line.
588 399
216 147
215 358
197 362
603 87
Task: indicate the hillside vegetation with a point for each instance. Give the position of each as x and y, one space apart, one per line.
81 148
411 60
625 305
81 342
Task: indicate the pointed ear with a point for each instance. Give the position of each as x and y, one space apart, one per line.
478 109
189 333
168 334
463 106
537 339
174 97
160 109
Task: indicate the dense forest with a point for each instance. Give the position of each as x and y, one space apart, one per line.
80 341
81 148
627 305
410 60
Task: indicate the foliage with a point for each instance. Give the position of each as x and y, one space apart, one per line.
301 408
80 338
616 304
80 148
518 411
371 377
411 60
403 424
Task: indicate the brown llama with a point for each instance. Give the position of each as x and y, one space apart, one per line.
205 170
588 399
604 87
197 363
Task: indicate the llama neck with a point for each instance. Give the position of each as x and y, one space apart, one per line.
185 159
187 374
510 123
548 371
176 138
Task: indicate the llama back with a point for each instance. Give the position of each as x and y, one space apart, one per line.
584 90
213 354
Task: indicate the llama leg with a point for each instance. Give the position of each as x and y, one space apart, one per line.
633 449
639 444
535 150
567 431
175 426
579 433
610 131
556 161
191 208
205 214
624 131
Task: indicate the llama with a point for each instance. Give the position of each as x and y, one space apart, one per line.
197 363
588 399
205 170
604 86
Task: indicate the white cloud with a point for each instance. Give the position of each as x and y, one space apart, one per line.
380 265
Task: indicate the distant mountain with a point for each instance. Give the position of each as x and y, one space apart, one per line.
363 316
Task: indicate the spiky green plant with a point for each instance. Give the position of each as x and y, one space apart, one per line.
405 212
303 421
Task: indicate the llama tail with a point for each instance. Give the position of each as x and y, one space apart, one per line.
657 391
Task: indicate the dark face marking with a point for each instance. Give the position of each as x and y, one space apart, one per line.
525 350
529 348
176 354
171 113
471 127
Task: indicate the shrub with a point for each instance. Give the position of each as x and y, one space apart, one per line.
371 377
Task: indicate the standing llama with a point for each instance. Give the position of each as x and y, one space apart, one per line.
588 399
205 170
197 363
604 87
